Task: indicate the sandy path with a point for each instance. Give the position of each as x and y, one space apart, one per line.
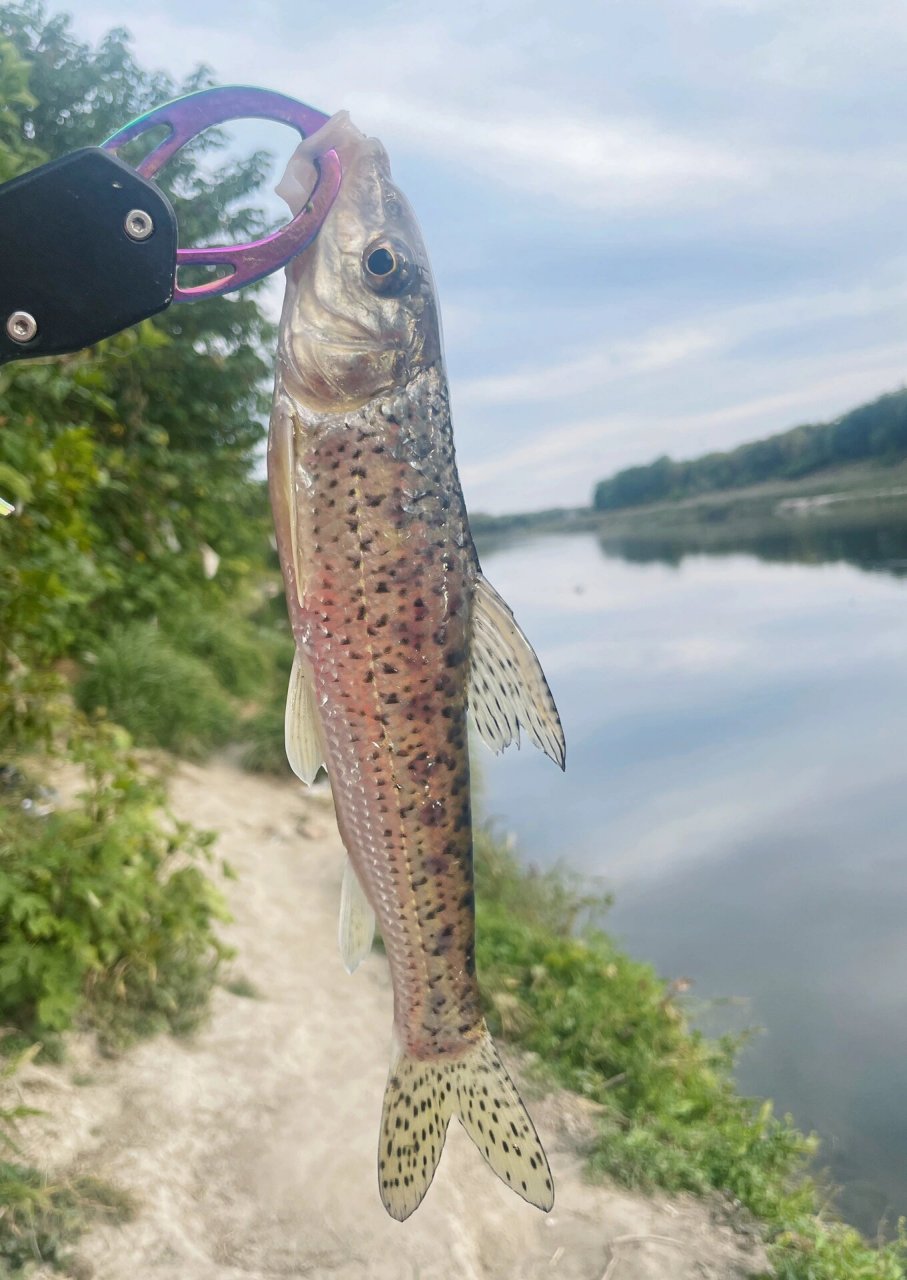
251 1148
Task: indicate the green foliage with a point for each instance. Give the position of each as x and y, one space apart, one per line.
16 150
40 1217
811 1248
608 1028
11 1109
105 915
163 696
877 430
127 462
263 735
232 648
263 732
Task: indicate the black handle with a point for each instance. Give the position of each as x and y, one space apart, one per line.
87 248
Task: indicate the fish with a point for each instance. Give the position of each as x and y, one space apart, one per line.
399 637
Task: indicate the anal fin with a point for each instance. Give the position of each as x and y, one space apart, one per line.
507 687
357 920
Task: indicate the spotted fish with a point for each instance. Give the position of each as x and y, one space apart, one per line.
397 634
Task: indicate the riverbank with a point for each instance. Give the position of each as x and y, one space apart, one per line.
866 495
249 1149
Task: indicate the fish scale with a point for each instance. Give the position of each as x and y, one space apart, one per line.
397 634
387 637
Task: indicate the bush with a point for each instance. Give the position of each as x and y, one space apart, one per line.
164 697
105 916
264 734
229 646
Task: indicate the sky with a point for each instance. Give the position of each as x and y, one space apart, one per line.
665 226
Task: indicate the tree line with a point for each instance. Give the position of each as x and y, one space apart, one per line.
872 431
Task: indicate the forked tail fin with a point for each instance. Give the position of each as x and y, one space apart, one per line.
421 1097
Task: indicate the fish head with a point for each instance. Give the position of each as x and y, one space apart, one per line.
360 315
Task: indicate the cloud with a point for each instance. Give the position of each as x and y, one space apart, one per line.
597 162
719 207
592 370
456 100
609 360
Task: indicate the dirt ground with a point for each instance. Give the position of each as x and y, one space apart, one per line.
251 1148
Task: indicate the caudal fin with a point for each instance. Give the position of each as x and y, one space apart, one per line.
421 1097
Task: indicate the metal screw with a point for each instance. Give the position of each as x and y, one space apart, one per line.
139 225
21 326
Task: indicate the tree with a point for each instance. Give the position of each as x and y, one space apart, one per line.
126 461
876 430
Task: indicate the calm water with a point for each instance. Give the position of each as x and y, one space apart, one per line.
737 775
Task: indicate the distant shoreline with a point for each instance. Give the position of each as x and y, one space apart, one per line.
862 495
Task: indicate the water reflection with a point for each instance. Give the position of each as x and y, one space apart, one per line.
737 775
874 546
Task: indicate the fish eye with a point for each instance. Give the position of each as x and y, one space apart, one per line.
381 262
385 267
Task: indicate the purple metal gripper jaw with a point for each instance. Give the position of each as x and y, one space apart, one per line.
187 118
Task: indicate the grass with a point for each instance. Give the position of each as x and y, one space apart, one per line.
41 1217
263 737
197 683
231 647
263 733
162 695
607 1027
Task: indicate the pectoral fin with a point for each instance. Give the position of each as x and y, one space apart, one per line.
282 489
507 687
357 921
305 750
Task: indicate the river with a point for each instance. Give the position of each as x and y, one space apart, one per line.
737 776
